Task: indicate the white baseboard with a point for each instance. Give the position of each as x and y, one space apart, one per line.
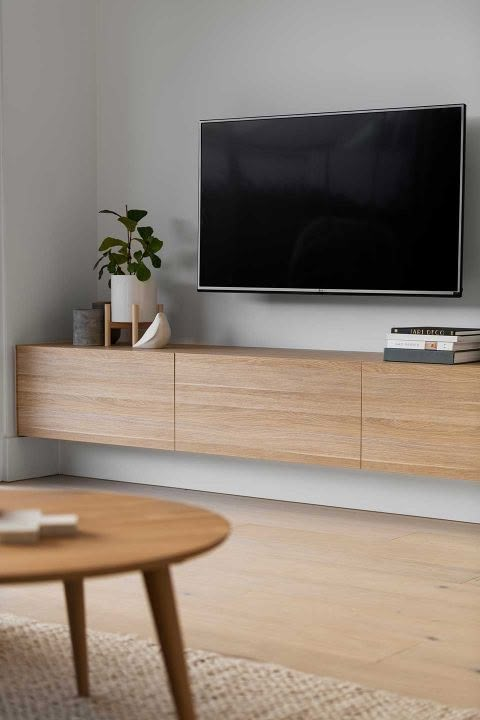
30 457
362 490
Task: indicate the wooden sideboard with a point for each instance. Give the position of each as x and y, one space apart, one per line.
343 409
270 407
421 419
96 395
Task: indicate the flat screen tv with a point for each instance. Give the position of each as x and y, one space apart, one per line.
364 202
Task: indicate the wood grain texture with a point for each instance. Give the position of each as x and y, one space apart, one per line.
268 407
345 356
235 351
268 403
75 600
107 325
162 603
368 597
421 419
116 533
98 395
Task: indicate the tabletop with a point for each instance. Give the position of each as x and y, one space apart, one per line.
116 533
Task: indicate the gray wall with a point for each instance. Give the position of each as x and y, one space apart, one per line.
162 66
165 65
48 100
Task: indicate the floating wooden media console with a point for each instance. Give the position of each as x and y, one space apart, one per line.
342 409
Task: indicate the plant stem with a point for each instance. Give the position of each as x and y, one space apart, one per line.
129 237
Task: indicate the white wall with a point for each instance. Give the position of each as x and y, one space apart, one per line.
49 229
400 494
3 349
165 64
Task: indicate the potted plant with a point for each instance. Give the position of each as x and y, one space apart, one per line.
126 260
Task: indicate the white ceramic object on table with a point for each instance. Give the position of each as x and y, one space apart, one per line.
157 335
127 290
20 527
58 525
24 527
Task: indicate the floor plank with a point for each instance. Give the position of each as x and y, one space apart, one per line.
386 600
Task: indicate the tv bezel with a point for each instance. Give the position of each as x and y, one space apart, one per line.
342 291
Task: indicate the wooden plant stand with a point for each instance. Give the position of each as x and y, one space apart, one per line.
134 324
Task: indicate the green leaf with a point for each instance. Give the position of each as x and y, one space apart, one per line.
143 273
145 232
110 212
129 224
156 262
100 260
136 215
119 258
155 245
112 267
132 268
110 242
101 271
138 255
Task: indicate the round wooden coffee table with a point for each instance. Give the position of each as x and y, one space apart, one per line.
117 533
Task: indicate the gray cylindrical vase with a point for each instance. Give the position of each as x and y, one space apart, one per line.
88 327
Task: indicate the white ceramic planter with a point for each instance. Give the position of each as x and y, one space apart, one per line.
127 290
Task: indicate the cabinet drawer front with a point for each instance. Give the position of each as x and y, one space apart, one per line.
422 419
122 397
271 408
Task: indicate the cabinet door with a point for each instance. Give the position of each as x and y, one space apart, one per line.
298 410
99 395
422 419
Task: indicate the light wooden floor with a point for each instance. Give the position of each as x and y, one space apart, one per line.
386 600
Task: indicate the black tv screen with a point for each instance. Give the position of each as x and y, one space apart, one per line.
367 202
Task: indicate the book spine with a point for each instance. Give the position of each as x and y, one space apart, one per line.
428 345
440 357
457 339
444 345
412 330
407 344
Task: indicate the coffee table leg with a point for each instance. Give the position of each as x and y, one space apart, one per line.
76 619
162 602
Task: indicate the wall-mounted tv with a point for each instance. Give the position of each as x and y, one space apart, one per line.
364 202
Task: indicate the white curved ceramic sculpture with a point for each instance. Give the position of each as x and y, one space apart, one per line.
156 335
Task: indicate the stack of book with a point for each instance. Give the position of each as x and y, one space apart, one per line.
442 345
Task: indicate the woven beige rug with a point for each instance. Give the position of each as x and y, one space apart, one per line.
128 683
